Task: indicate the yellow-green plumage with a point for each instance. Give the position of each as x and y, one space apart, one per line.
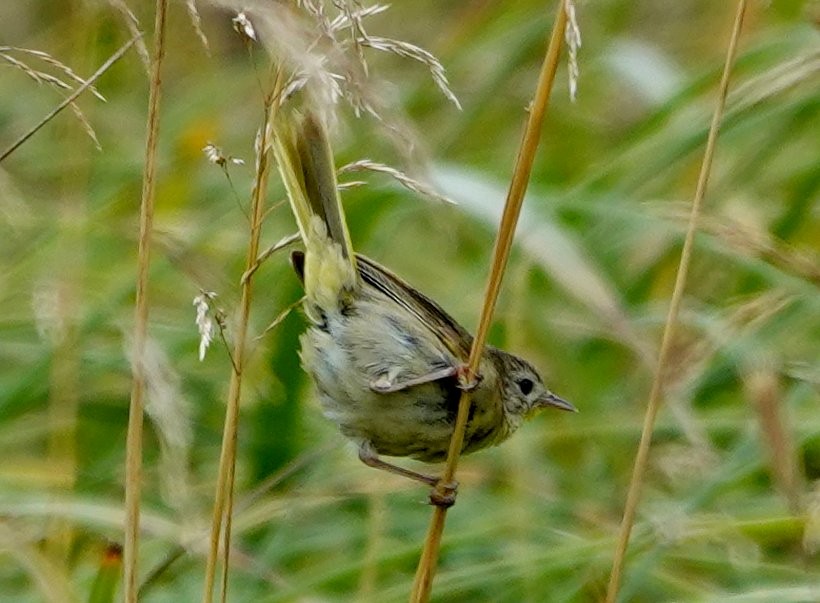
385 358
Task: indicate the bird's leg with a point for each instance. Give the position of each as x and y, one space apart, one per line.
443 495
371 458
389 383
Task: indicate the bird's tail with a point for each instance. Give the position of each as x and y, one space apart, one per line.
305 163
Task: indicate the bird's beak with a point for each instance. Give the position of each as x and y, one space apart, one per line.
550 399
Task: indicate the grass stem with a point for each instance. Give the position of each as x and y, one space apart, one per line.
425 571
223 498
642 456
133 447
89 83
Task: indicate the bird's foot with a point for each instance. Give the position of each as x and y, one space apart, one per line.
467 380
444 494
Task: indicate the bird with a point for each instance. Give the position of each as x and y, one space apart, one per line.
388 363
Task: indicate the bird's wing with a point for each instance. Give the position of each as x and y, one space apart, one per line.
429 313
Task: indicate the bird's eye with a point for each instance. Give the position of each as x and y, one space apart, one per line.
525 385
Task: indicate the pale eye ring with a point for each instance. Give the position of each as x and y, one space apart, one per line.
525 385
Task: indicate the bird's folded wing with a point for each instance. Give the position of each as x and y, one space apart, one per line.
455 337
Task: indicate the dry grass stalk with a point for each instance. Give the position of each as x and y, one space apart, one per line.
406 181
196 23
223 498
416 53
282 243
763 388
751 241
39 76
642 455
327 45
133 447
422 584
280 317
133 26
69 100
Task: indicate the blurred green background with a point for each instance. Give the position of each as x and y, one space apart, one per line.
731 504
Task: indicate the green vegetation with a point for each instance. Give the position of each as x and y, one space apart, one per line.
731 503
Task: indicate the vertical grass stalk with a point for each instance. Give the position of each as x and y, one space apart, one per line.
133 447
223 498
642 455
425 571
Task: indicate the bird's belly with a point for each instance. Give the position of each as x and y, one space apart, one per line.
349 353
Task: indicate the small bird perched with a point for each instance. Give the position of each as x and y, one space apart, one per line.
387 361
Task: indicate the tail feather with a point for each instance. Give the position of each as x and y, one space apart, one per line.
288 159
320 182
305 162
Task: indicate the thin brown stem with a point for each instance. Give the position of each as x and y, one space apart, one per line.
133 447
642 456
245 502
89 83
422 584
762 385
280 244
223 498
280 317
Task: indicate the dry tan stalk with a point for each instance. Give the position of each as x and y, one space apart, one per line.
422 584
642 455
69 100
133 446
763 388
223 498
